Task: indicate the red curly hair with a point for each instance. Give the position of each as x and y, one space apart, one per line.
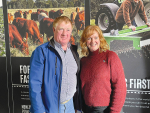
88 31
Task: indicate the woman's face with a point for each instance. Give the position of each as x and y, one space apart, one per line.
93 42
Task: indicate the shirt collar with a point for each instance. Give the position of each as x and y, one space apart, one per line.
59 45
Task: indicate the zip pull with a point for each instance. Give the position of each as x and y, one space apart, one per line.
55 64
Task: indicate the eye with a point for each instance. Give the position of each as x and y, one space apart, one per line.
60 28
89 38
96 37
68 29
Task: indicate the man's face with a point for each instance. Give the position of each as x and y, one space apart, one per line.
62 33
136 1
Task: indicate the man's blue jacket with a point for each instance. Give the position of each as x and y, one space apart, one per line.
45 79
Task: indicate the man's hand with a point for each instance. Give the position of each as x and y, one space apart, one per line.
132 27
148 24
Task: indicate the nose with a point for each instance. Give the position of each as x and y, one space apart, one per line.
92 40
64 32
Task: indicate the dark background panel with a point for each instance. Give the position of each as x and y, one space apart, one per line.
20 79
136 65
3 86
7 63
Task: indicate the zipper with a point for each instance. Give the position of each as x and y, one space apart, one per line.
55 65
59 87
55 74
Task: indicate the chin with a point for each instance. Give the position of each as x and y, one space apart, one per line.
92 50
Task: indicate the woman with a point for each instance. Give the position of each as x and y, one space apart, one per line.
102 77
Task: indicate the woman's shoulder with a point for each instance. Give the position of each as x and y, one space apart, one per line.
113 57
83 59
111 53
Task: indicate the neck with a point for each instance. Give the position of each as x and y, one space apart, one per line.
94 53
64 47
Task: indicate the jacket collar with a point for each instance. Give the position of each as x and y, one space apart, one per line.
51 43
73 49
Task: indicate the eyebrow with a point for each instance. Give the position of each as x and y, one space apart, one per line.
63 28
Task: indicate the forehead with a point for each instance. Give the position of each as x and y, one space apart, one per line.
64 24
94 34
91 33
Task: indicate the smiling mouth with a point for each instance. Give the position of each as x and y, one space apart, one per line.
64 37
93 45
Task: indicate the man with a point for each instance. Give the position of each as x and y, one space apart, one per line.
54 69
127 12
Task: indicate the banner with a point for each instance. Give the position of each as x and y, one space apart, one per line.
30 25
132 47
20 80
26 32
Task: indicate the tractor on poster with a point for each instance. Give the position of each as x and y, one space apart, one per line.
105 17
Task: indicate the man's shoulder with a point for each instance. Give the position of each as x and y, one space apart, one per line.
42 47
74 47
45 45
141 2
127 2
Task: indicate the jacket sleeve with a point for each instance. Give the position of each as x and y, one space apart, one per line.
142 12
118 84
35 81
126 14
81 95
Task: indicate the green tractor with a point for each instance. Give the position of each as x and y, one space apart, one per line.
105 17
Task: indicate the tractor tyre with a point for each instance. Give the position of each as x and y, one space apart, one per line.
147 11
138 20
105 20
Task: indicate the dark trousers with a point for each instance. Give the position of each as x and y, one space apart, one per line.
119 26
101 109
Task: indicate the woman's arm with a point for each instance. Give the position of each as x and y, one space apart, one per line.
118 84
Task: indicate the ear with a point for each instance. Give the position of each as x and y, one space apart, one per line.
53 29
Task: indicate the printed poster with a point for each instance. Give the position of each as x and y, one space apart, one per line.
27 31
132 47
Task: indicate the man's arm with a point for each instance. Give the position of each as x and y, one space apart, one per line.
35 81
142 12
126 15
148 24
